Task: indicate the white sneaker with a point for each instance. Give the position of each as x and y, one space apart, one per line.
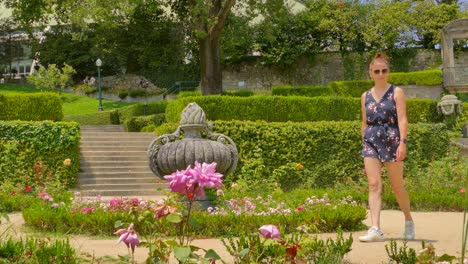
373 235
409 230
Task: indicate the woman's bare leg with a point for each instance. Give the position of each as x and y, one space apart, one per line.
395 174
374 177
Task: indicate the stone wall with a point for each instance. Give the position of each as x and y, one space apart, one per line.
322 68
461 67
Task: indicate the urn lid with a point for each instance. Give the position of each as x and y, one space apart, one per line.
192 114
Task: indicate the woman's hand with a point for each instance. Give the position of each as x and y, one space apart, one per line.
401 152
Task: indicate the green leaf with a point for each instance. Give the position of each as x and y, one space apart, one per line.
244 252
192 222
174 218
182 253
118 224
211 254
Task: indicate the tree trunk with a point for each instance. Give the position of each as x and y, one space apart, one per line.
211 74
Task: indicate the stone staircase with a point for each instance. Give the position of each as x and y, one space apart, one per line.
114 163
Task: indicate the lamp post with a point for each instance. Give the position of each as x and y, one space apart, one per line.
99 64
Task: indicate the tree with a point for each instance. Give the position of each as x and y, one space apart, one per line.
52 79
206 17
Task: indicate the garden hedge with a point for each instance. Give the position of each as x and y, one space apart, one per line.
121 115
23 144
355 88
331 151
31 107
291 108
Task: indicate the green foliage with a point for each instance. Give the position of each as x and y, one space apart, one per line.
401 255
293 108
26 143
52 78
47 106
137 93
351 88
188 93
239 93
310 91
318 146
136 123
33 250
423 78
121 115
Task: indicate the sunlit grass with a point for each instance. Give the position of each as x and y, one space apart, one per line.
72 104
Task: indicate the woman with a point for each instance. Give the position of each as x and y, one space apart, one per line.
384 131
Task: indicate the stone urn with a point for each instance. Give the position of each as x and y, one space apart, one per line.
450 107
192 141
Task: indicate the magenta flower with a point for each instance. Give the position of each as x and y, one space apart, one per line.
191 182
129 237
270 231
206 175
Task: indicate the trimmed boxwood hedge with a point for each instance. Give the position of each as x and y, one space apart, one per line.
330 150
31 107
292 108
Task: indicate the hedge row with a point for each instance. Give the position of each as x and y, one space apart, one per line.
121 115
356 88
331 151
23 144
291 108
31 107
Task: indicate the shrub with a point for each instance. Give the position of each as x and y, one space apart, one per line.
137 93
424 78
318 146
52 78
136 123
123 94
351 88
310 91
291 108
189 93
23 144
121 115
240 93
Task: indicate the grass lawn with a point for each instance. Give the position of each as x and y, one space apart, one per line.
72 104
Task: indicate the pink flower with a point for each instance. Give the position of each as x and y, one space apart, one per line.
206 175
270 231
45 196
191 182
462 190
28 189
299 208
87 210
128 236
12 193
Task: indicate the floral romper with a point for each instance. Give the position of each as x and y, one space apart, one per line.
382 135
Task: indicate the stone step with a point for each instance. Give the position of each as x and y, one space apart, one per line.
135 143
112 148
120 169
111 162
123 192
128 180
103 175
104 128
121 186
86 134
103 153
107 157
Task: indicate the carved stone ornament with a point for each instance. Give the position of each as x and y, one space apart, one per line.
169 152
449 105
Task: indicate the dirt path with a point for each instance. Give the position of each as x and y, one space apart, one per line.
442 229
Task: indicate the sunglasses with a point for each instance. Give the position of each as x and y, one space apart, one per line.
384 71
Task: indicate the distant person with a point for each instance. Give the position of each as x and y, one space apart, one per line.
384 131
86 80
92 80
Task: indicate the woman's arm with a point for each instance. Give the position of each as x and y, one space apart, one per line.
400 101
363 115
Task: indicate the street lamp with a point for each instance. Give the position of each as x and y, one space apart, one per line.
99 64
